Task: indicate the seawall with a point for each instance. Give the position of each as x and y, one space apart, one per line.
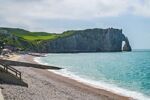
17 63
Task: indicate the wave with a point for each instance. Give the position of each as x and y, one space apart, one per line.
97 84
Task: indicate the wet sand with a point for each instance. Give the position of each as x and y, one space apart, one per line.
45 85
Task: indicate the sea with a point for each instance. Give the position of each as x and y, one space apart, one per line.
124 73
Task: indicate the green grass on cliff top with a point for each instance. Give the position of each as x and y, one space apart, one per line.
36 36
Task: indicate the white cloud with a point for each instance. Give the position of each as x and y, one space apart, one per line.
29 12
142 8
78 9
64 9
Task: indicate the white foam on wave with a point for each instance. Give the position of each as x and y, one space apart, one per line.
98 84
38 60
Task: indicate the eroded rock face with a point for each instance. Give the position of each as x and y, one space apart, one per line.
127 46
90 40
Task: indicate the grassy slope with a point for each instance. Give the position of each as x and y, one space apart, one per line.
39 36
26 39
34 36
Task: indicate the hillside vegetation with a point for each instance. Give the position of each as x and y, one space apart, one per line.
25 39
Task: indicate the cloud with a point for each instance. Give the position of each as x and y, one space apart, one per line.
78 9
63 9
27 13
142 8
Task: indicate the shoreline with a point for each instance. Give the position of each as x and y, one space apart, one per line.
77 88
91 88
103 86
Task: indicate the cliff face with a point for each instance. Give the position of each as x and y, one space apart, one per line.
90 40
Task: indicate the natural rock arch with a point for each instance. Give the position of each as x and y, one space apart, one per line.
123 43
126 45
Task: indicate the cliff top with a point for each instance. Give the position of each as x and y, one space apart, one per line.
37 36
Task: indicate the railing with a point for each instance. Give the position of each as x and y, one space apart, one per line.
8 68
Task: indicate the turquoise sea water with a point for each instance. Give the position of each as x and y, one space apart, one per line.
126 70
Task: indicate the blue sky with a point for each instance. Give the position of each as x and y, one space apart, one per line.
133 16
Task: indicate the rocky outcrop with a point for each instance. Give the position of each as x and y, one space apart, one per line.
126 46
90 40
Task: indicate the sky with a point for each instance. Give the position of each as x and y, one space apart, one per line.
132 16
